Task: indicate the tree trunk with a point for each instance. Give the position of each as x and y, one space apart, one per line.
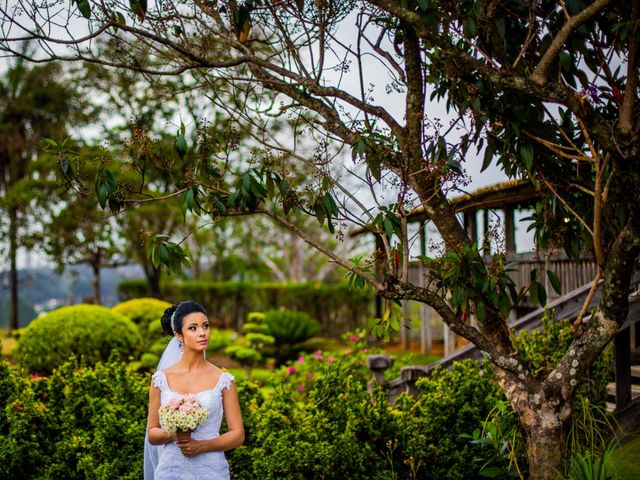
153 277
14 322
545 449
95 282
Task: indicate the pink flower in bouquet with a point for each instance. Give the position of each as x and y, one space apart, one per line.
309 375
347 351
318 354
301 388
330 359
301 360
182 413
291 369
352 338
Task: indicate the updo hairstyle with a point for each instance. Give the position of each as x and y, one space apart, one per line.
178 311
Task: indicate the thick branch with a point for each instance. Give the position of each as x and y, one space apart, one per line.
539 75
626 110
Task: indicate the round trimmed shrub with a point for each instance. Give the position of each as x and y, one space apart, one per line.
88 330
145 313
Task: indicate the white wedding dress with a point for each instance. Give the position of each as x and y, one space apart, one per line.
172 464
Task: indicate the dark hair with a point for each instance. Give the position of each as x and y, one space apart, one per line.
181 310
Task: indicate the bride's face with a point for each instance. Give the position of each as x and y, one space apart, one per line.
195 331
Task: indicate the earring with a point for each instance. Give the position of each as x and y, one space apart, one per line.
180 345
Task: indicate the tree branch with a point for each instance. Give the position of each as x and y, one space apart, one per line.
626 110
540 73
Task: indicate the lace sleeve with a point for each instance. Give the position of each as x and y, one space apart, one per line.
225 380
159 380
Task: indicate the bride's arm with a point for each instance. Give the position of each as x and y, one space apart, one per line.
235 430
157 436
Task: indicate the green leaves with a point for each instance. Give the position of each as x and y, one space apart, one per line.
84 7
555 281
181 142
469 284
387 221
161 251
538 293
373 149
190 202
139 8
105 186
488 156
526 154
469 27
325 207
353 278
249 193
424 4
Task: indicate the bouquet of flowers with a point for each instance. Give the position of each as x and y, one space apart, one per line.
182 414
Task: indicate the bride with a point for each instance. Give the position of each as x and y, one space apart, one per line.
183 369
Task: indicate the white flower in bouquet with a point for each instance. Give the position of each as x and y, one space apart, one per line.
182 414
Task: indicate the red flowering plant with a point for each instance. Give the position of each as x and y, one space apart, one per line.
300 375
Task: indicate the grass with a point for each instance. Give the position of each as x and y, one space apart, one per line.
625 459
8 342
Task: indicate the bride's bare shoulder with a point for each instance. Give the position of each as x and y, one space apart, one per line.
212 368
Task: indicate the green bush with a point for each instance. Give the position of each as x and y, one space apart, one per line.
220 339
88 330
82 422
146 314
318 420
541 350
289 329
321 421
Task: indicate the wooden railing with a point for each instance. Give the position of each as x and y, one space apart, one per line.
573 274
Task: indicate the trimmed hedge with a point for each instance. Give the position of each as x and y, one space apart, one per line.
88 330
337 307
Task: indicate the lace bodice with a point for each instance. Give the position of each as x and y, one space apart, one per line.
173 465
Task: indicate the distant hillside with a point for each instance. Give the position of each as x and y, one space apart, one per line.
41 289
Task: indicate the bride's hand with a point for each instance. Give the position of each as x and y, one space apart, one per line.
188 446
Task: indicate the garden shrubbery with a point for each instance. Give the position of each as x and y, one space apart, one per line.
323 422
318 420
81 422
289 329
337 307
88 330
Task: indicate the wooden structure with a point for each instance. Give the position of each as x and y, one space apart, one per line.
506 197
575 277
